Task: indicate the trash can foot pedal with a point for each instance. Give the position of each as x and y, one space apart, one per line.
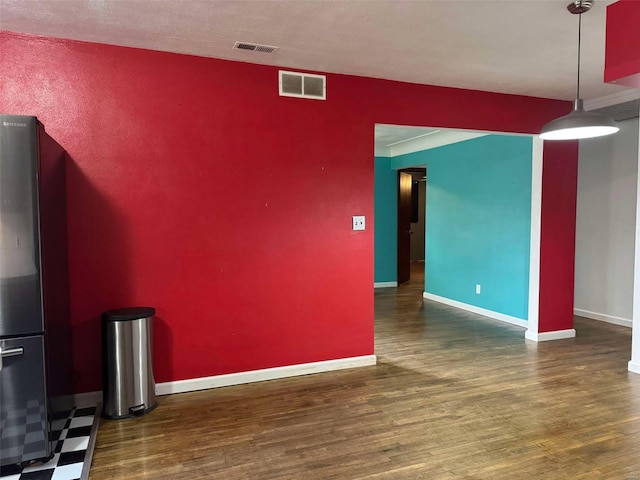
137 411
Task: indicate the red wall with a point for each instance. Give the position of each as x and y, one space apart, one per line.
558 235
193 187
622 52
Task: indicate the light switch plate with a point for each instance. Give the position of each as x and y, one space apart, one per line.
358 222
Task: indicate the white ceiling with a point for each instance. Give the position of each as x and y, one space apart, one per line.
519 46
393 140
391 135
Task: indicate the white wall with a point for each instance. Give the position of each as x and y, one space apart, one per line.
605 225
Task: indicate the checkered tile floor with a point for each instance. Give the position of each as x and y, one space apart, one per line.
70 454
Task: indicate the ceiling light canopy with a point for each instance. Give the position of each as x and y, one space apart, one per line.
579 123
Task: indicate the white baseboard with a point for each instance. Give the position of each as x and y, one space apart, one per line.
216 381
481 311
603 318
385 284
181 386
634 367
546 336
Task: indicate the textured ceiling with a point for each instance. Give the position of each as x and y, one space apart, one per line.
393 140
522 47
390 135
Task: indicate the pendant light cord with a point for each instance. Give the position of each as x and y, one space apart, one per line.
579 43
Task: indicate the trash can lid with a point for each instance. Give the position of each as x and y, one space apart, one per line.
128 314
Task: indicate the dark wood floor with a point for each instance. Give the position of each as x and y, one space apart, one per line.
454 396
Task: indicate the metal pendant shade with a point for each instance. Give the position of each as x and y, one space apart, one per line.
579 123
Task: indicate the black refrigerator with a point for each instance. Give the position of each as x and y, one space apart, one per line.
35 350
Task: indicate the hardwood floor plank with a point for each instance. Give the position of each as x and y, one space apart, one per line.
454 396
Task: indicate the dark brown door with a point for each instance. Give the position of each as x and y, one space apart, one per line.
404 226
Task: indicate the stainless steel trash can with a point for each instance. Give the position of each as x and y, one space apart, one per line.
128 386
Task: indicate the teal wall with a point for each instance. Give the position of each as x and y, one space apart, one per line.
478 220
385 210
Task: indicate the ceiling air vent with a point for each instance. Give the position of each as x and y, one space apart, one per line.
254 47
303 85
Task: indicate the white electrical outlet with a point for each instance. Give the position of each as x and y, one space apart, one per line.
478 288
358 222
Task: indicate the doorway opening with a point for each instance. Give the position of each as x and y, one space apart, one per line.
481 204
411 221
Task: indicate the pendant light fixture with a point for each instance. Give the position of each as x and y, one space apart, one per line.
579 124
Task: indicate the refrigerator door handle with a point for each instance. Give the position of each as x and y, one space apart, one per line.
10 352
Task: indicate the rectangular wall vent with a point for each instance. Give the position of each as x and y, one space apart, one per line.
302 85
254 47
